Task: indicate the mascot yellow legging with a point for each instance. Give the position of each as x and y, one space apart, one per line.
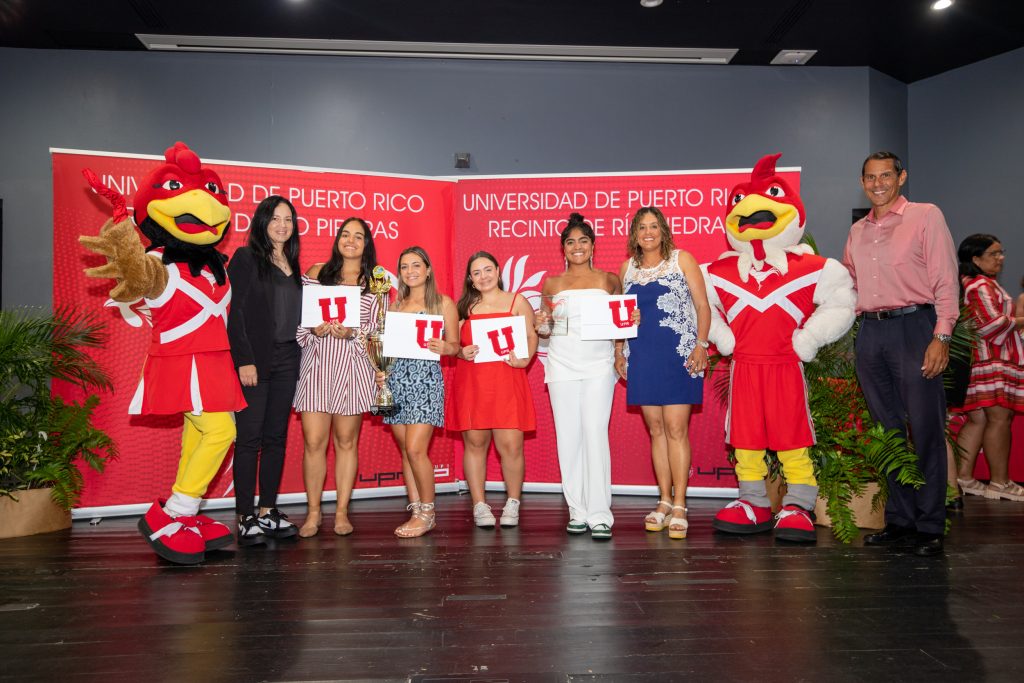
204 443
796 466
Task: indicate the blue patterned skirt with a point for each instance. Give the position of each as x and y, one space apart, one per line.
418 386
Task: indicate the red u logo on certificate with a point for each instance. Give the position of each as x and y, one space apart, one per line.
339 308
421 331
496 345
620 320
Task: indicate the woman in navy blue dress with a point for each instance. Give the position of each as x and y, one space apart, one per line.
664 365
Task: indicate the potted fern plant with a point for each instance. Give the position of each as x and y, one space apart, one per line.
43 437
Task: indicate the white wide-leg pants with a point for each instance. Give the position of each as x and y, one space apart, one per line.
582 409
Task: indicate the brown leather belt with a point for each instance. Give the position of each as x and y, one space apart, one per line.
896 312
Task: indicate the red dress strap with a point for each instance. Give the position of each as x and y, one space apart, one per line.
512 307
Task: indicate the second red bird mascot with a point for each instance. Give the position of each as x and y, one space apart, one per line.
774 304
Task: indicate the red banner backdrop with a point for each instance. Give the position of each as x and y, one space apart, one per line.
517 218
401 210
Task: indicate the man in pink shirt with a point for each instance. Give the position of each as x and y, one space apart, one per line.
903 262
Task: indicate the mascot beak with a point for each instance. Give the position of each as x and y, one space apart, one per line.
757 217
194 216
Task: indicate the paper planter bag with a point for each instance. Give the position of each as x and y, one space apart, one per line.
607 317
321 303
496 337
406 335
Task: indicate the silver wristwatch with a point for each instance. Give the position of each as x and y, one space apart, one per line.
703 343
944 338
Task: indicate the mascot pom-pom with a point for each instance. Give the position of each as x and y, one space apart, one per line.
774 304
181 207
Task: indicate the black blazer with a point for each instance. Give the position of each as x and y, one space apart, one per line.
251 321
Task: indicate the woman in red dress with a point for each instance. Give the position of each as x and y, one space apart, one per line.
996 391
491 400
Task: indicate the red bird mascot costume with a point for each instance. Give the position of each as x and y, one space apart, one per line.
182 210
774 304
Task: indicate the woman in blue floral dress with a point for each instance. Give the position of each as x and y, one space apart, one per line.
418 387
666 360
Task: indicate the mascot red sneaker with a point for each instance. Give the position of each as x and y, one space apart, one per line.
774 303
182 210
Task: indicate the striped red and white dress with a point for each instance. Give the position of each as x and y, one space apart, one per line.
997 375
335 376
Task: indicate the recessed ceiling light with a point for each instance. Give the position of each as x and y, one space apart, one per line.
942 4
792 57
650 3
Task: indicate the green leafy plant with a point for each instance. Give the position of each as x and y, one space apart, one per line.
43 437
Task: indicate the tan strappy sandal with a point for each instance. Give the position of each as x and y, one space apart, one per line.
424 512
678 526
655 520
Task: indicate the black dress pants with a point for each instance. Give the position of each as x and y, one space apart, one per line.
263 430
889 358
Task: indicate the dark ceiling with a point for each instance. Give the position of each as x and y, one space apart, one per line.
902 38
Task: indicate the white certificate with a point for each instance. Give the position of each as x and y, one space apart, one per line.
496 337
406 334
321 303
608 317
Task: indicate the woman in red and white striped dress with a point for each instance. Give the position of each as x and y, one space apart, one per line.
336 382
996 391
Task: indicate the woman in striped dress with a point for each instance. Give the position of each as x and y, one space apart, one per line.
996 391
336 383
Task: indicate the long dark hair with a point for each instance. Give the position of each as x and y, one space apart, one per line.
470 294
973 245
259 240
330 274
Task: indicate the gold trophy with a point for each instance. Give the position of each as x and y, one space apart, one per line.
380 284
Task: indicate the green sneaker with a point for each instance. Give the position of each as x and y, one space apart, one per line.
576 527
601 532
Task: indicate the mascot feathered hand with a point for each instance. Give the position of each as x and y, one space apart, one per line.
774 304
181 208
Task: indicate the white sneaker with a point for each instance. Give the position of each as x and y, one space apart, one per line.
482 516
275 524
510 513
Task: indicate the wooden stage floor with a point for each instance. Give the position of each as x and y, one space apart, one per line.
530 604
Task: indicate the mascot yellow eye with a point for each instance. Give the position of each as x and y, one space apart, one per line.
737 198
213 187
171 185
776 191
